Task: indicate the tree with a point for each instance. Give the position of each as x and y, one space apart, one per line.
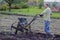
9 3
41 3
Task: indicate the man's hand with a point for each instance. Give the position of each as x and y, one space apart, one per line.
41 15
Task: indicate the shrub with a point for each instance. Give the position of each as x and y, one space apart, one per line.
3 7
16 6
24 5
40 5
19 6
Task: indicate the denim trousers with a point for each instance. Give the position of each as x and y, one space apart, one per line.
46 26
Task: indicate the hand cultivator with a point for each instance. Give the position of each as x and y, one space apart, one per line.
23 25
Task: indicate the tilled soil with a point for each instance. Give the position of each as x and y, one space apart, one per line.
37 26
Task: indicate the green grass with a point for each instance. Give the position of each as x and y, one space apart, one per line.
56 15
28 11
31 11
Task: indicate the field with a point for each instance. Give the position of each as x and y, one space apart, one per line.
37 26
7 20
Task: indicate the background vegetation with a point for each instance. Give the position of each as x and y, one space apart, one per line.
23 7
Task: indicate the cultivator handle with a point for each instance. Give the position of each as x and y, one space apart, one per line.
34 18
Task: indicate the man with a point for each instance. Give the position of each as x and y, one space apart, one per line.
46 15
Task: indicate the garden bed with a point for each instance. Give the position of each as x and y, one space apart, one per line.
7 20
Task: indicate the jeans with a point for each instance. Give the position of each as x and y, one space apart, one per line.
46 26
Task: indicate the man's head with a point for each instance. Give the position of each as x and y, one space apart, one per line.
46 5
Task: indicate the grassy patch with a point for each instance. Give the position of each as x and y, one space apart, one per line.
31 11
56 15
28 11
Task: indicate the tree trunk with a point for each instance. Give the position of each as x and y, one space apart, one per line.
9 7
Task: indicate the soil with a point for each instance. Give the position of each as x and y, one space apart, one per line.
37 27
36 36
